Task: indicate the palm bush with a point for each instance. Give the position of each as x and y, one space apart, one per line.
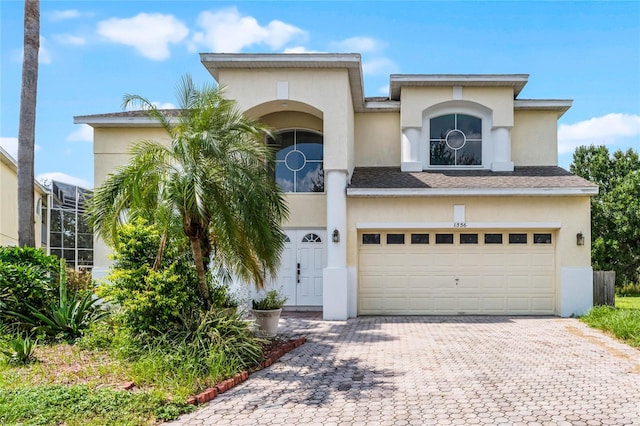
213 180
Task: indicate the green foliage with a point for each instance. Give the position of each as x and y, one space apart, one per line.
150 301
271 300
82 405
27 277
19 351
69 317
615 211
629 289
213 179
208 348
622 323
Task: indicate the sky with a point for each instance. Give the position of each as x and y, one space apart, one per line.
94 52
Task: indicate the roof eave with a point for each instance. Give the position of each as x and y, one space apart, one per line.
560 106
397 81
474 192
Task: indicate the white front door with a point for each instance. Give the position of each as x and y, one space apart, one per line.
300 274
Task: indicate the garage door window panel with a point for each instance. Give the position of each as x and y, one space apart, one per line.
395 239
468 238
541 238
493 238
419 238
444 238
370 239
517 238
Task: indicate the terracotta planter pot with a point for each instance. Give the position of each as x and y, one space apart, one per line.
267 321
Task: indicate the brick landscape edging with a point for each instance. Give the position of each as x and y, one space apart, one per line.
271 357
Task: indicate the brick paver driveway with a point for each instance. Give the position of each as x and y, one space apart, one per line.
438 370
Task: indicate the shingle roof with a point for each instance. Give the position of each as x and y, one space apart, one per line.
521 177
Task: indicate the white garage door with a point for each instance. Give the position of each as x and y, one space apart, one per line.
456 273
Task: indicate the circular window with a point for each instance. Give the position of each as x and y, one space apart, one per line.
455 139
295 160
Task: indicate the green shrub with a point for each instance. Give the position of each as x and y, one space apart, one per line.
629 289
19 351
27 277
208 348
271 300
151 301
68 317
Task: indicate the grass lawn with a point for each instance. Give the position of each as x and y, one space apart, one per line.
631 302
71 386
623 321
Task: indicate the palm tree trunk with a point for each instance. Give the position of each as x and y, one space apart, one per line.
26 129
203 288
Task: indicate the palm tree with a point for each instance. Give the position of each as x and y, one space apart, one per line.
214 177
26 129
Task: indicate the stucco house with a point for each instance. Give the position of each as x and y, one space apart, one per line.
444 198
9 204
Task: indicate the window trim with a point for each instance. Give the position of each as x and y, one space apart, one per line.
294 130
457 107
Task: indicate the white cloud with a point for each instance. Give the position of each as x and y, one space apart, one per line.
11 146
605 130
83 134
358 45
299 49
164 105
61 15
63 177
228 31
379 66
70 39
159 105
149 34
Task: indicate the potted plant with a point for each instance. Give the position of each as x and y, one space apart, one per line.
267 312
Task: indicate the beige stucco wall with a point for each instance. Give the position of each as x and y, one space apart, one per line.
573 214
331 95
534 138
414 100
377 139
9 206
291 120
111 147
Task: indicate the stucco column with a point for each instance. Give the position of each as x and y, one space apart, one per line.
334 277
411 160
501 138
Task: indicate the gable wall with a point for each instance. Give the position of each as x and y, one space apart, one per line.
330 93
414 100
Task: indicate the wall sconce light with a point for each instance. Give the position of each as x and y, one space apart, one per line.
335 236
580 239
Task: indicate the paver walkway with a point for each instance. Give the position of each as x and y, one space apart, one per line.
438 370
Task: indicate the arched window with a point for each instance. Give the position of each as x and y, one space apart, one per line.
299 159
455 140
311 238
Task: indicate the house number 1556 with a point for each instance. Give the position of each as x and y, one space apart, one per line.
459 224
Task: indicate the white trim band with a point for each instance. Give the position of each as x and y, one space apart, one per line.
458 225
469 192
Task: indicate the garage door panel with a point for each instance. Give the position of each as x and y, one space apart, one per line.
491 279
